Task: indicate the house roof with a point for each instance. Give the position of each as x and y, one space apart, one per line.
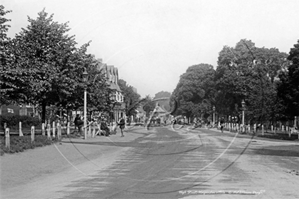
112 75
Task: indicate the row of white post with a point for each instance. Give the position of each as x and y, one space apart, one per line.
56 130
247 128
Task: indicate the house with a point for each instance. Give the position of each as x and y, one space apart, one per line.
22 110
112 76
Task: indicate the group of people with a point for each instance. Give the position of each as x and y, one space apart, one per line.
78 121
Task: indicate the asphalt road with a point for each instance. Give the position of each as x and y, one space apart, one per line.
185 163
161 162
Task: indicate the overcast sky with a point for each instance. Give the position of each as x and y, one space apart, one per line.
153 42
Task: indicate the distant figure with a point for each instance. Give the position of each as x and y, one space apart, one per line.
222 125
78 123
122 126
104 127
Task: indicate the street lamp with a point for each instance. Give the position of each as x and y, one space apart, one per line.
243 115
84 75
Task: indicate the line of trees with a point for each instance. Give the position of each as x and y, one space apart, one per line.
266 79
42 65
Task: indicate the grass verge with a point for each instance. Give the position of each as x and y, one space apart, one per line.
19 144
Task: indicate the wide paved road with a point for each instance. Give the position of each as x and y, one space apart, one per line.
185 163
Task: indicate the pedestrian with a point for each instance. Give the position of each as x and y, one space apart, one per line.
104 127
222 125
122 126
78 123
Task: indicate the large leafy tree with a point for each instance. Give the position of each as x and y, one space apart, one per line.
98 88
49 62
248 73
288 87
195 91
148 105
8 79
131 98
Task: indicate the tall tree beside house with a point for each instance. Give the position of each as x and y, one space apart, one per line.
131 98
148 105
195 91
288 87
97 88
9 76
50 64
246 72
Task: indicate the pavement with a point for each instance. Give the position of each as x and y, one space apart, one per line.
155 163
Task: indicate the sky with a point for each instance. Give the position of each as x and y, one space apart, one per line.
153 42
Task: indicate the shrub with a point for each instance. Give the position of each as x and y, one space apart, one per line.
12 121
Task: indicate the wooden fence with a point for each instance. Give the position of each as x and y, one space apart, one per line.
52 131
260 129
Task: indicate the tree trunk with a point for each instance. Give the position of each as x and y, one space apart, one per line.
44 112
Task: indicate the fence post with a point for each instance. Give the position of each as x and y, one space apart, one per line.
254 128
262 130
94 130
289 130
53 129
282 128
58 130
90 130
43 129
20 129
7 138
48 130
68 128
32 133
272 129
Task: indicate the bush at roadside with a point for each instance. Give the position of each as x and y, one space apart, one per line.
12 121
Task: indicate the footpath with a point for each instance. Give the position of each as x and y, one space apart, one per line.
44 172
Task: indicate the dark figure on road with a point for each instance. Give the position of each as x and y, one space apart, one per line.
104 127
122 126
78 123
222 125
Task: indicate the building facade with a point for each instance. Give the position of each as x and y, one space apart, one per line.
112 75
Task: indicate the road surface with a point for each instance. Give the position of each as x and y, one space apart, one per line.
166 162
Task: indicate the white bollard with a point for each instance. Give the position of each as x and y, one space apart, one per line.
289 130
58 130
53 129
7 138
262 130
282 128
48 131
68 128
90 130
43 129
272 129
20 129
94 130
254 128
32 133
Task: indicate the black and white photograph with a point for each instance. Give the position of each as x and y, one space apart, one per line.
146 99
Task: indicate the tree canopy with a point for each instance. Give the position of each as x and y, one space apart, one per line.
131 98
195 91
288 87
45 67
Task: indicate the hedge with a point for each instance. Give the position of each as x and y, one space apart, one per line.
13 121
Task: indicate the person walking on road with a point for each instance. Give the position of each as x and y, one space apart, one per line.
78 123
122 126
222 125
